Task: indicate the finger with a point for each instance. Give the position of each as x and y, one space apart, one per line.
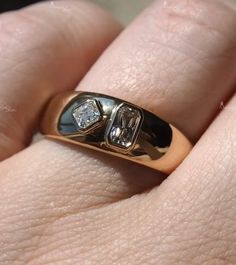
183 79
104 179
191 219
175 61
201 197
45 48
57 182
119 69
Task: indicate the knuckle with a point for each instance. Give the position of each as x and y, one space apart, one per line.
32 30
194 31
206 14
20 28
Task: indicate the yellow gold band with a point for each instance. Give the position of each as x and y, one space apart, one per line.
116 127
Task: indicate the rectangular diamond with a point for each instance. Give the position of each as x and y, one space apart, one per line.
124 126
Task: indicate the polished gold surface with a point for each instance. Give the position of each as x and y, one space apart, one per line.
123 130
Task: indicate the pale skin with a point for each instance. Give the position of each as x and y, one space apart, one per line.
61 204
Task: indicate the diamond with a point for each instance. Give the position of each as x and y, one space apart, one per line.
124 128
86 115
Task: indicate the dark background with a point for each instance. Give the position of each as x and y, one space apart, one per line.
6 5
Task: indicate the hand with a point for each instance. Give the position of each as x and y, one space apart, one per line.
61 204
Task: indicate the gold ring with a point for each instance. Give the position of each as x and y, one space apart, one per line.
116 127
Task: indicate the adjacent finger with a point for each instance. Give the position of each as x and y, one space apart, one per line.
45 48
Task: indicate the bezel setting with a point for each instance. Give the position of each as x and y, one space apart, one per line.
87 115
123 127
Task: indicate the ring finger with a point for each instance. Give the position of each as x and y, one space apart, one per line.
173 60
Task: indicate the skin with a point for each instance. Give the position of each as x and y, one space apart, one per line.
65 205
